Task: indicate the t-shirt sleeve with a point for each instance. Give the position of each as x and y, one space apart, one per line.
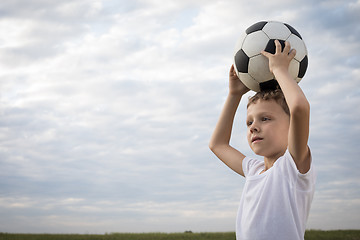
302 182
249 166
245 165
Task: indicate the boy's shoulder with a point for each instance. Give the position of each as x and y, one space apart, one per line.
251 166
284 165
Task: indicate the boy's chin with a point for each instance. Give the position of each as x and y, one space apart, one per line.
266 154
258 152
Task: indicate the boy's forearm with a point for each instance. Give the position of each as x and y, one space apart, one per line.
222 132
294 96
299 120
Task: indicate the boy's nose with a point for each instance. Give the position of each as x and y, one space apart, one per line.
254 128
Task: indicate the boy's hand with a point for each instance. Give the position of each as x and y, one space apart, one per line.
281 59
236 87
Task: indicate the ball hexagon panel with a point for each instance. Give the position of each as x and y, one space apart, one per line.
276 30
254 43
259 68
292 30
249 82
294 69
298 44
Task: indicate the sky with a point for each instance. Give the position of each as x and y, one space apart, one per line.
107 108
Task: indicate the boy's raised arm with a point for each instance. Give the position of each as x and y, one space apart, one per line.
219 142
298 105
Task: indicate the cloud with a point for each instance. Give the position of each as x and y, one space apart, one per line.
107 108
39 30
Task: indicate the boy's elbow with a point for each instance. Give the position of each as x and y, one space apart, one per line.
212 146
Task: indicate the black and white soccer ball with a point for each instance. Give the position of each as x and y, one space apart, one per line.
253 68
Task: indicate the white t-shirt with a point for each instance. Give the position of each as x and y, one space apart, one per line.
276 203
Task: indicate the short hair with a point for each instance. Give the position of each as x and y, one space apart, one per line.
277 95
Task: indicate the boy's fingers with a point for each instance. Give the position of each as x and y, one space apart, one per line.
278 46
232 71
287 47
292 53
266 54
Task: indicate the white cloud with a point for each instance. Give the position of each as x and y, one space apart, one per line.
106 115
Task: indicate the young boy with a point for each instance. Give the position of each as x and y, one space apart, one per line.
278 191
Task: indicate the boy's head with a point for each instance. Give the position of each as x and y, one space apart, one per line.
268 123
276 95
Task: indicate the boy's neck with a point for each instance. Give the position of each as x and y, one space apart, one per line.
269 161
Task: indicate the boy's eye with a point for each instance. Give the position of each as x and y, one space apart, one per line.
248 123
265 119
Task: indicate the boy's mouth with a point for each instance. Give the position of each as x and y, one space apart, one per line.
256 139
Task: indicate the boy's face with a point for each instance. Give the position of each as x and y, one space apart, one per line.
268 128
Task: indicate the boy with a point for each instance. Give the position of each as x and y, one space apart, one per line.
278 191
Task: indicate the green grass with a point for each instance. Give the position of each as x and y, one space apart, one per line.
121 236
309 235
332 235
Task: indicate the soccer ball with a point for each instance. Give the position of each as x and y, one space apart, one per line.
253 68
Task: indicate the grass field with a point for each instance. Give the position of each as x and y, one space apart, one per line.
309 235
